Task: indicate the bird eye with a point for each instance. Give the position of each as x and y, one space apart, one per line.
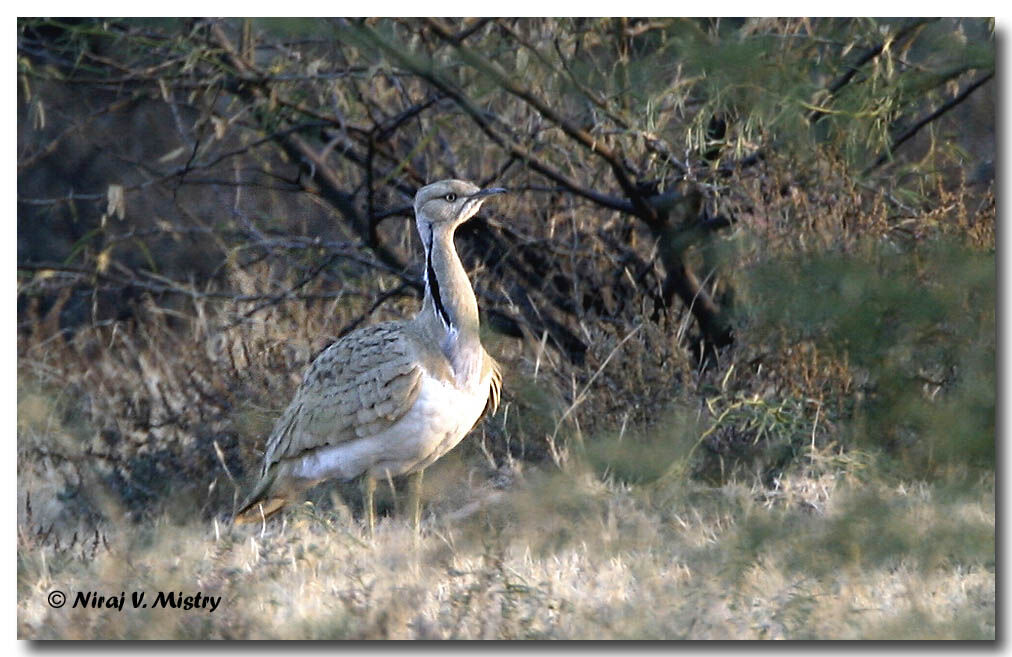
451 197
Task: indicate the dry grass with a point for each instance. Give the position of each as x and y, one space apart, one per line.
618 541
558 555
632 497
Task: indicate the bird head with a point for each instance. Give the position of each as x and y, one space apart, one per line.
449 203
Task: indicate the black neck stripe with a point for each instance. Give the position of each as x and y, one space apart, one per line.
430 278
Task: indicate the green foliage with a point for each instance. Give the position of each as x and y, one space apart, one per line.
920 326
751 433
876 528
645 455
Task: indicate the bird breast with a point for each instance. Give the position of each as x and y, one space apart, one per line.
441 416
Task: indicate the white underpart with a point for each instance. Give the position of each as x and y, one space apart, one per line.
439 419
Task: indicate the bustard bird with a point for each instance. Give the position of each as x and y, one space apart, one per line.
390 399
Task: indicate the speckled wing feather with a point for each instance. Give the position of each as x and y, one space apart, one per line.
356 387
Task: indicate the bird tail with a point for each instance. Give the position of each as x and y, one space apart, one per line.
263 502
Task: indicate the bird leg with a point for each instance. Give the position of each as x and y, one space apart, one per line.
414 498
368 492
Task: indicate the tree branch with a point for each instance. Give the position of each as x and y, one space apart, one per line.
578 134
864 58
916 127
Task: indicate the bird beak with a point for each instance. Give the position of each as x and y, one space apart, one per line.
475 201
490 191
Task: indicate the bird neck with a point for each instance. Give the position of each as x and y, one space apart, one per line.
450 310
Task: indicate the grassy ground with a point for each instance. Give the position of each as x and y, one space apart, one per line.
837 548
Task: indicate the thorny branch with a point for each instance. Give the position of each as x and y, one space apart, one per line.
369 122
906 32
904 136
328 184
